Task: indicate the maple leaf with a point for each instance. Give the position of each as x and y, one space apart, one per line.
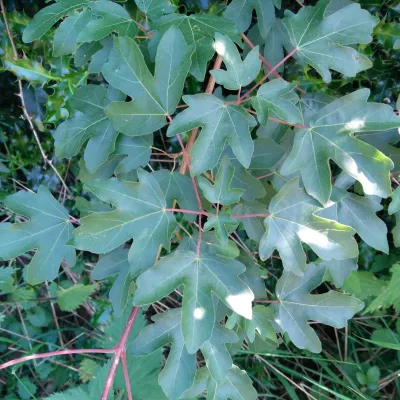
48 231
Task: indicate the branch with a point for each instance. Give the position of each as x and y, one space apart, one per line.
21 95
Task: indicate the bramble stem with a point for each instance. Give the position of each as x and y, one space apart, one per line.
259 83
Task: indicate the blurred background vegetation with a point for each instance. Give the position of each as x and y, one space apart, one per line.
362 361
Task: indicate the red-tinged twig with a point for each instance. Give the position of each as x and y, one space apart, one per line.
119 349
270 72
278 120
126 375
288 123
206 214
54 353
395 181
266 176
265 62
186 156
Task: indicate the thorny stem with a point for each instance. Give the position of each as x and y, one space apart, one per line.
265 62
271 71
24 109
119 352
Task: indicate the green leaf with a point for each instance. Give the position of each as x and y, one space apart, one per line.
261 323
267 154
384 141
48 16
137 150
143 375
241 11
363 284
100 56
38 317
237 386
217 356
293 221
155 9
394 205
329 136
87 368
239 73
71 394
26 388
254 227
29 70
48 231
111 17
340 270
386 338
323 41
220 192
177 187
199 31
153 98
72 298
88 123
116 326
391 295
277 97
201 275
85 52
140 213
111 264
220 124
297 306
209 245
66 36
223 224
179 371
359 213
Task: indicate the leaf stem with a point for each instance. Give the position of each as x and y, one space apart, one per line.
265 62
207 214
271 71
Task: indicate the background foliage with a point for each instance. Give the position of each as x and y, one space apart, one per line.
74 311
